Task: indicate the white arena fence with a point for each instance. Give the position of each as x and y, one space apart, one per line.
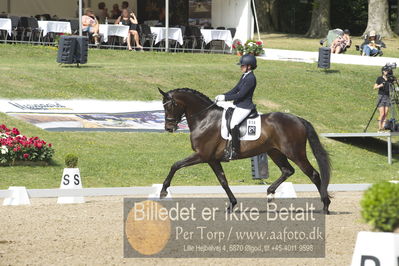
174 190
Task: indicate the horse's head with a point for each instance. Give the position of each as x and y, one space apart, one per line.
173 111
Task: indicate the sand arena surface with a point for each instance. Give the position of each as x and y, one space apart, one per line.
46 233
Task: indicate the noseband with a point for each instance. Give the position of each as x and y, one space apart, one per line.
172 120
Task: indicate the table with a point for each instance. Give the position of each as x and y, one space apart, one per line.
174 34
113 30
5 24
55 26
223 35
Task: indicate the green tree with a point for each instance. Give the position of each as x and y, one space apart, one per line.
267 11
378 18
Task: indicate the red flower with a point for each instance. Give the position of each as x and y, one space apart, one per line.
15 131
238 43
234 47
50 145
15 149
258 43
26 156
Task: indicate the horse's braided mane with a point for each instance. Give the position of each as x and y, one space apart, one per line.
197 93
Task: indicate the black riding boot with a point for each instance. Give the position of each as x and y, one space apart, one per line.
235 139
233 145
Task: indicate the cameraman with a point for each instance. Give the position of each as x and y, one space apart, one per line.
383 101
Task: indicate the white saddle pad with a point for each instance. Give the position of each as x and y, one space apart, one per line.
253 128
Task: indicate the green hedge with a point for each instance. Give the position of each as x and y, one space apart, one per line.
380 206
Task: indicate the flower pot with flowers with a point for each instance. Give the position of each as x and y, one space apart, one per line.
16 149
238 47
253 47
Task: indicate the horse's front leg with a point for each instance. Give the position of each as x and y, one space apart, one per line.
190 160
218 170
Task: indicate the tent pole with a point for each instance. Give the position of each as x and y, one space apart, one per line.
167 25
256 19
80 17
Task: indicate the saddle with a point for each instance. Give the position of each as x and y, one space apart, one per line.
244 124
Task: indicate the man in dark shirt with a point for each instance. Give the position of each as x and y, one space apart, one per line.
241 95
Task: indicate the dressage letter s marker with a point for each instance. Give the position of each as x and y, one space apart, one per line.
76 179
66 180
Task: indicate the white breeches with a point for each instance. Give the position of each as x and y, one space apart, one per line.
239 115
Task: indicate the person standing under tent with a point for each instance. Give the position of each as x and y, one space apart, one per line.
125 5
102 13
115 12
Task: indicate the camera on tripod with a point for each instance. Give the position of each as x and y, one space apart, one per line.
390 67
392 123
392 83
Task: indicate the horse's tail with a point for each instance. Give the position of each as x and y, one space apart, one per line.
322 157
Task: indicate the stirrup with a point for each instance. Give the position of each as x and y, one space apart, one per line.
229 152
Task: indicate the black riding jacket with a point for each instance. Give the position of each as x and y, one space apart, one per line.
243 92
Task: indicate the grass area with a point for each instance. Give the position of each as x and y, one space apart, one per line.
340 100
298 42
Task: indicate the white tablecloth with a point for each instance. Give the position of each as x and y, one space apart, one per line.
55 26
5 24
210 35
113 30
174 34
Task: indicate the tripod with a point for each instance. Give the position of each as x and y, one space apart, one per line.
394 100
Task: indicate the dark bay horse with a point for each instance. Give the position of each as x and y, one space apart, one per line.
283 137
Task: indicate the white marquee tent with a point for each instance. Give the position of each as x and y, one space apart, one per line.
228 13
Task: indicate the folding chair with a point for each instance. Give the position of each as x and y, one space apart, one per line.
146 35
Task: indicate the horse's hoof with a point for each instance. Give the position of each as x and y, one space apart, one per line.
326 212
230 208
163 194
270 197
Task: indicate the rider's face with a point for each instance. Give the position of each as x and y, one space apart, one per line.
245 68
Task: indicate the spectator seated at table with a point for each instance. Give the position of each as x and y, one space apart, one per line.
102 13
115 12
341 43
90 24
372 45
131 21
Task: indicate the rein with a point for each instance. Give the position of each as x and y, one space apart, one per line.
193 115
203 110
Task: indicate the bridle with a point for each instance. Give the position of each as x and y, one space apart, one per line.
177 121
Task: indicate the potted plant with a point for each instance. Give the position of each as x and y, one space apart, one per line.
253 47
71 179
238 48
380 209
17 149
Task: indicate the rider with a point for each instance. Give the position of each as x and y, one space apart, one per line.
241 95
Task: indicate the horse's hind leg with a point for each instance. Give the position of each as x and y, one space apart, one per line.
314 176
218 170
286 169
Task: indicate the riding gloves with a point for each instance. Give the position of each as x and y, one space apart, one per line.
220 98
